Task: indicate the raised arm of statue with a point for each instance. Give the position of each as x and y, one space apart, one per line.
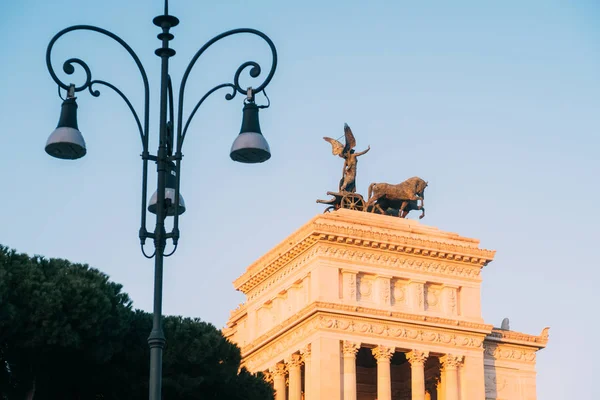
363 152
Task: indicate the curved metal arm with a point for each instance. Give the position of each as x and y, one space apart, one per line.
254 73
96 93
69 69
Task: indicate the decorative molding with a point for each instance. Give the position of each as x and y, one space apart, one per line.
464 260
499 351
349 349
504 336
422 320
267 348
383 353
451 361
417 357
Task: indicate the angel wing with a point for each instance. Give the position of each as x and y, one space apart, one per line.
350 141
336 147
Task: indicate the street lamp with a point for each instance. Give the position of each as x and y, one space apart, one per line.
250 146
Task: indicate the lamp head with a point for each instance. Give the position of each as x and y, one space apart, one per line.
170 188
66 142
250 146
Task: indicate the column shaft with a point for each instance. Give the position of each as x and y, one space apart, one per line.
279 381
417 360
383 356
295 392
349 350
450 363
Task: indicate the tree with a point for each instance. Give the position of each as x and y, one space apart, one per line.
67 332
59 321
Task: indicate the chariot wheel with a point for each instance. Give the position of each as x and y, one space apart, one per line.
352 201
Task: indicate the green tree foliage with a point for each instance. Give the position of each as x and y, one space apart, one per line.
55 318
67 332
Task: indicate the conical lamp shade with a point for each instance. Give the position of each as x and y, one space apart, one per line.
66 141
250 146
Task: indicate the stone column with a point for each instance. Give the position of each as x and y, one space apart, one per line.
350 349
383 355
295 375
306 359
279 381
450 363
417 359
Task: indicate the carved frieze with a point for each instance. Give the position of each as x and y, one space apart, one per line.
497 351
362 328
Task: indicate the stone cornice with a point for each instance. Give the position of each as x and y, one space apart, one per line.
367 330
518 338
377 322
394 238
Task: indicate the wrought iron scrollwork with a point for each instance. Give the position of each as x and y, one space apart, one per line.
254 71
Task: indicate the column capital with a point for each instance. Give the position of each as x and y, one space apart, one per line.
295 360
350 348
268 376
451 361
306 352
383 353
279 370
417 357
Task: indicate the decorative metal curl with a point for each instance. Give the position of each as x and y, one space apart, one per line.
69 69
254 72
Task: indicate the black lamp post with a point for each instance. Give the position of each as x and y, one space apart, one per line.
250 146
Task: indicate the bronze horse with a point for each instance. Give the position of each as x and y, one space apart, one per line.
403 196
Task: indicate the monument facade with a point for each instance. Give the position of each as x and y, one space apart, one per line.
361 306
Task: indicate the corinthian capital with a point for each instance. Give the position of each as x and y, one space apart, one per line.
294 361
417 357
350 348
383 353
451 361
279 370
306 351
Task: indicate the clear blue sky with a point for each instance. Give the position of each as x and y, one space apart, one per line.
496 104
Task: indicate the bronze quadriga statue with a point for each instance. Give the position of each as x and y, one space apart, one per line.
404 197
383 198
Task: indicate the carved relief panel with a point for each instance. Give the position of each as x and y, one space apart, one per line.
433 297
365 285
399 293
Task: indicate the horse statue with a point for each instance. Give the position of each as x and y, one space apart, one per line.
403 196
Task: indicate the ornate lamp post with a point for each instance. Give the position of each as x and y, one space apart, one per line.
250 146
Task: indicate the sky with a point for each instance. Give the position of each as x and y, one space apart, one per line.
495 104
